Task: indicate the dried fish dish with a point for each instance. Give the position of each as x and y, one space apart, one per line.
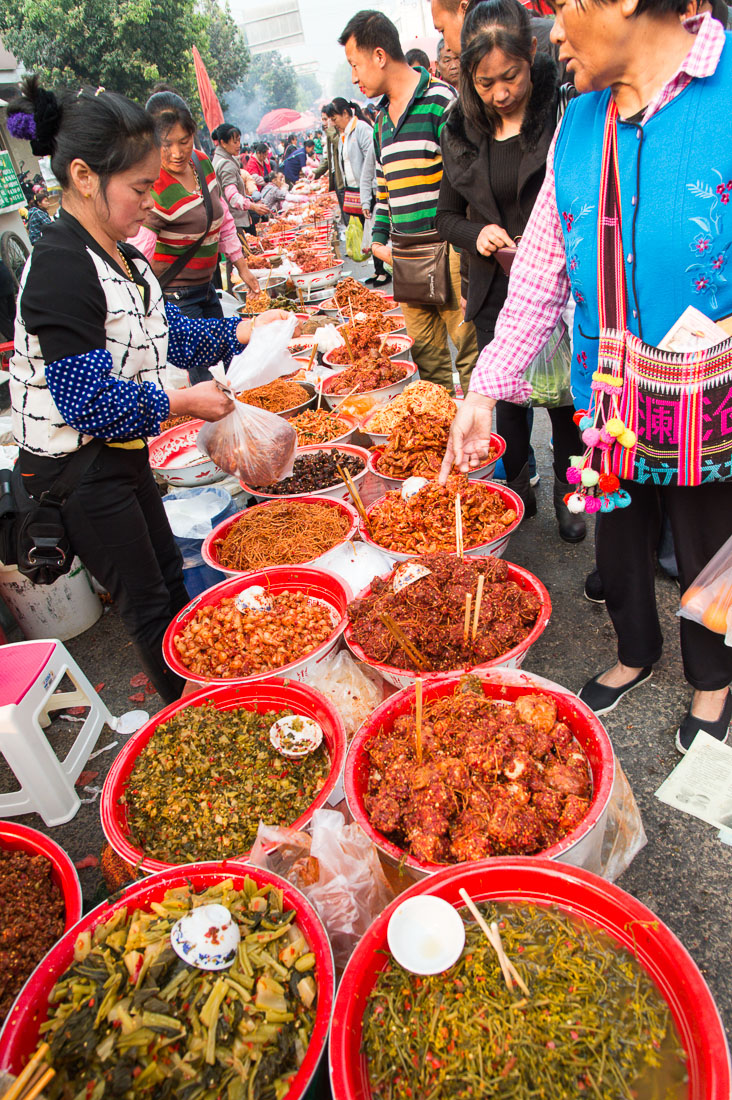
367 374
496 778
431 613
207 777
315 470
222 642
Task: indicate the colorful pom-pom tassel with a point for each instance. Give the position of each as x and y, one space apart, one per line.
577 460
608 483
627 439
607 504
574 476
578 415
590 478
575 503
591 437
622 499
614 426
592 504
586 422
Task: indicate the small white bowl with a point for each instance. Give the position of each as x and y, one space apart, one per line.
207 937
426 934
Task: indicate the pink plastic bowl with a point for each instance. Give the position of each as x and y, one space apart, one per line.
263 696
20 838
208 548
318 584
506 684
20 1034
513 658
576 892
495 548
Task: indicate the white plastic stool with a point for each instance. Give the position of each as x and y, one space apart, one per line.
29 674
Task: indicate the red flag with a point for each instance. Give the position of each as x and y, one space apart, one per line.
210 105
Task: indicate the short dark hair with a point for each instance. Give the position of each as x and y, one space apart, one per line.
226 131
261 147
169 110
106 130
372 30
310 142
491 24
417 57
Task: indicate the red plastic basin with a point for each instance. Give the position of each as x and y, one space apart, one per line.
507 685
19 838
264 695
577 892
19 1036
318 584
513 658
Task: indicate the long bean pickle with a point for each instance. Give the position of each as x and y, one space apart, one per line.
594 1024
207 777
130 1019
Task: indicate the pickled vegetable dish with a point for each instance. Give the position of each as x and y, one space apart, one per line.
594 1024
207 777
129 1018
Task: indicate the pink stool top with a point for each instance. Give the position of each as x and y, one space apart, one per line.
21 663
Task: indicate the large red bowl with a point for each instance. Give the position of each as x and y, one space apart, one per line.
576 892
513 658
20 1034
19 838
208 549
317 584
578 846
263 696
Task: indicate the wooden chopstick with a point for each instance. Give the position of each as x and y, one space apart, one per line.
509 971
458 525
355 495
313 353
349 349
409 648
38 1084
466 624
418 736
478 600
23 1079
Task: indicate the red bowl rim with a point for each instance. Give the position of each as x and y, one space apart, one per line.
15 837
209 555
412 368
18 1038
376 452
504 492
516 573
511 683
575 891
169 433
349 448
281 576
247 695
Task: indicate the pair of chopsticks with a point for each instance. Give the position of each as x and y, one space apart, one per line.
459 526
509 971
33 1079
476 614
355 495
415 655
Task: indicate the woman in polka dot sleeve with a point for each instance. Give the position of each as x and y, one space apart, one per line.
92 339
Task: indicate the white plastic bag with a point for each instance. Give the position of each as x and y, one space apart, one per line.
366 242
353 689
265 357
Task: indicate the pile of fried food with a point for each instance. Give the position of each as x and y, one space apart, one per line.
371 372
420 399
352 295
496 778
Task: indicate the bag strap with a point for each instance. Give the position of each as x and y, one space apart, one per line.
71 474
175 270
612 293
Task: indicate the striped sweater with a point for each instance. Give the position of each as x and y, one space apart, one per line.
409 161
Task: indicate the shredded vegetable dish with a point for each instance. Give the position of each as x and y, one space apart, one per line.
276 397
318 426
421 398
284 533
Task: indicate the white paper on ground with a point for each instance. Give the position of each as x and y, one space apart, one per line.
701 785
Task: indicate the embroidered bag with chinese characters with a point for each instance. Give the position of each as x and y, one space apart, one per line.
654 415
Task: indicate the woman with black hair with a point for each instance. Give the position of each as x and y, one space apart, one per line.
226 165
494 146
38 214
93 335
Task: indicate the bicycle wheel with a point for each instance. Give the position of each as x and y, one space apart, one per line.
14 253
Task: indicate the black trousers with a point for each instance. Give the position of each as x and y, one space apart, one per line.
701 522
117 525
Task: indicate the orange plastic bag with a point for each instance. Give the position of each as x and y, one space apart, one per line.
708 599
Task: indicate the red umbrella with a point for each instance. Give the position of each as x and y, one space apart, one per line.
274 119
210 105
297 125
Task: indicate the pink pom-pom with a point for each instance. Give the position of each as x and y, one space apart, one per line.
574 476
592 504
591 437
605 438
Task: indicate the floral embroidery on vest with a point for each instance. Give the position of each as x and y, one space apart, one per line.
572 243
708 246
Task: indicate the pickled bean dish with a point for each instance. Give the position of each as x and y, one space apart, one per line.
221 642
366 374
496 778
431 613
425 523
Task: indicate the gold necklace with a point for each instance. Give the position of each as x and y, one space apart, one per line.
125 264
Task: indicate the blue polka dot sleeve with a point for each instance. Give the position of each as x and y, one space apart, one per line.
200 343
93 401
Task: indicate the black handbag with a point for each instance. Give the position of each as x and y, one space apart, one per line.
175 269
420 268
32 533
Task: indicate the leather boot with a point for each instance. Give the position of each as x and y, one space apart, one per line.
571 527
522 485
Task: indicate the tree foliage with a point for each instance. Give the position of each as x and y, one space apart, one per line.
228 56
270 82
309 92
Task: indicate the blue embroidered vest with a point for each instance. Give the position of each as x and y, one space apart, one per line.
676 209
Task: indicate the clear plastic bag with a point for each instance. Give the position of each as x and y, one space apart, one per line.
624 835
338 870
354 238
366 239
265 357
708 599
354 690
548 372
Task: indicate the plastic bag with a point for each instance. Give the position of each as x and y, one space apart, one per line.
548 372
624 835
338 870
366 240
265 357
353 689
708 599
354 237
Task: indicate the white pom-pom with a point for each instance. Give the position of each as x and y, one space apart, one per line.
576 503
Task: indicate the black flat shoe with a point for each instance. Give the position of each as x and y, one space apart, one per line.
601 699
593 590
377 280
689 728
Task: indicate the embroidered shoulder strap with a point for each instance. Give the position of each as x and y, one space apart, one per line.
612 296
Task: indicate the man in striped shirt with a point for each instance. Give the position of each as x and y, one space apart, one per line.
408 174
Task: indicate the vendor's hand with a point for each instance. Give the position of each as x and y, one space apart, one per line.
491 238
204 400
470 436
366 211
243 268
381 252
270 315
259 208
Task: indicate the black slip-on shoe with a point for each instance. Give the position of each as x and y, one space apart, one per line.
689 728
601 699
593 590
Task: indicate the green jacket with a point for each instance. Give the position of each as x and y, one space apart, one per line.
332 163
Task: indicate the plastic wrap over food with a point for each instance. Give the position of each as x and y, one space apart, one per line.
354 689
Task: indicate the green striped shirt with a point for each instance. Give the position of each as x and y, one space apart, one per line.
409 161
